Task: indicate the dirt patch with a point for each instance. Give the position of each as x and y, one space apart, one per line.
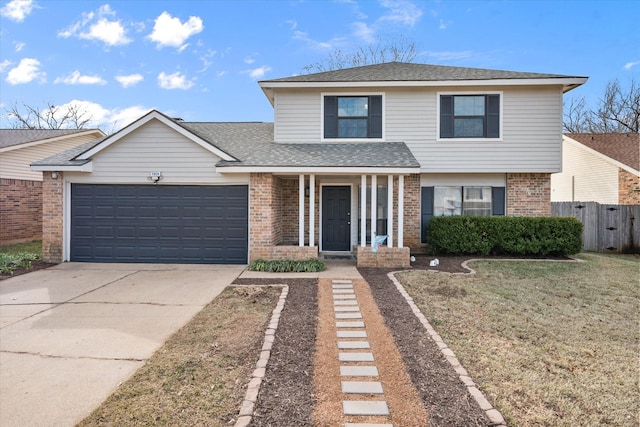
199 376
35 265
442 393
286 395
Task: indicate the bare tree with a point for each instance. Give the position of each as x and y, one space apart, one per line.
401 50
68 117
618 111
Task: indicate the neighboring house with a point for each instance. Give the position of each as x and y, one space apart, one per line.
20 187
429 140
599 167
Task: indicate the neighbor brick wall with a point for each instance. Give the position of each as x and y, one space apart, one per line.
528 194
627 183
52 217
20 211
412 212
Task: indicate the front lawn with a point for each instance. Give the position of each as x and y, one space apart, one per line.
551 344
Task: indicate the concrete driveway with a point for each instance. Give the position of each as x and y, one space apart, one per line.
69 335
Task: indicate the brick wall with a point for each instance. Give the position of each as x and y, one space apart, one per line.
627 183
384 258
528 194
20 211
285 252
52 219
412 214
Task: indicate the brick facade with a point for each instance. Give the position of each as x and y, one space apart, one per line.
528 194
52 217
384 258
20 211
628 188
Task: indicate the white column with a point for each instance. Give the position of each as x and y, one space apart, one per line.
301 210
390 211
363 210
312 210
374 206
400 210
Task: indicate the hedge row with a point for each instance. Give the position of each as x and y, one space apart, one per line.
287 265
503 235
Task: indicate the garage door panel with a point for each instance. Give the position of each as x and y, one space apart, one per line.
181 224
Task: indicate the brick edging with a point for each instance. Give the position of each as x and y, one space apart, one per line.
493 414
253 388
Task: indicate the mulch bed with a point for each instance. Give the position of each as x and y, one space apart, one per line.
286 396
35 265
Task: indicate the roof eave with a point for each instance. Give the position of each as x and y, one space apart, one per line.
99 132
84 167
325 170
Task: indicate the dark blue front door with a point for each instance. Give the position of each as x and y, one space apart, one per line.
336 218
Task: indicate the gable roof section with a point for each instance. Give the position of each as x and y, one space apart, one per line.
11 139
620 148
412 74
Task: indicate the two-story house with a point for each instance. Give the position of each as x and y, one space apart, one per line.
353 153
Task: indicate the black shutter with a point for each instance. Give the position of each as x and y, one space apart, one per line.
446 116
330 116
375 116
493 116
427 211
497 200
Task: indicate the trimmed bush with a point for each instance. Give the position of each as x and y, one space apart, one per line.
287 266
504 235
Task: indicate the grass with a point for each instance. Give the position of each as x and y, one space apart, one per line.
19 255
198 377
551 344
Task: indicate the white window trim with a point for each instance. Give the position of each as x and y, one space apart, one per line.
337 140
492 92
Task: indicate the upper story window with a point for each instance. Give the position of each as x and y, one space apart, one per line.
353 116
470 116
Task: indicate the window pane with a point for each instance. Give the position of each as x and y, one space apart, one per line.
468 105
468 127
447 201
477 201
352 128
353 106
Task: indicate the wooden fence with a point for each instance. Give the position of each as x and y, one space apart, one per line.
607 228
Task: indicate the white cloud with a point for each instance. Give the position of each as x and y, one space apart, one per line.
207 60
174 81
401 12
450 56
630 65
109 120
249 60
4 65
17 10
169 31
129 80
258 73
444 24
27 70
96 26
364 32
75 78
19 46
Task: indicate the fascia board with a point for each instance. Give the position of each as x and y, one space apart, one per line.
86 167
296 170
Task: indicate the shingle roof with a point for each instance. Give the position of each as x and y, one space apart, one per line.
403 71
622 147
252 144
13 137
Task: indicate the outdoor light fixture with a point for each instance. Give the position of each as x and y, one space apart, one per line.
155 177
54 175
306 191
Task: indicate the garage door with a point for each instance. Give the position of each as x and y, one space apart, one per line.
159 224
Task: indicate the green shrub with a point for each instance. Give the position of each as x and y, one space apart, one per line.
287 266
10 262
500 235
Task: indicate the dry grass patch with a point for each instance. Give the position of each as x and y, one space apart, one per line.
199 376
552 344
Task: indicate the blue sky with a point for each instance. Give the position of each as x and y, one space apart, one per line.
201 60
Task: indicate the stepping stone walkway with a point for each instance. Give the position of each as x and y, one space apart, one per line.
352 336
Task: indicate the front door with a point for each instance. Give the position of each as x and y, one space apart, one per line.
336 218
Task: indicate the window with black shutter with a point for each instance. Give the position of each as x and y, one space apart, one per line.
353 116
470 116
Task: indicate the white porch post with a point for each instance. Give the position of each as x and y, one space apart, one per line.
312 210
374 206
301 210
389 211
400 210
363 210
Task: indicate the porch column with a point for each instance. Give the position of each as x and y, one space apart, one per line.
363 210
301 210
400 210
312 210
374 206
390 211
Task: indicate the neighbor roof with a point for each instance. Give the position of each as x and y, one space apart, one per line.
622 147
13 137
